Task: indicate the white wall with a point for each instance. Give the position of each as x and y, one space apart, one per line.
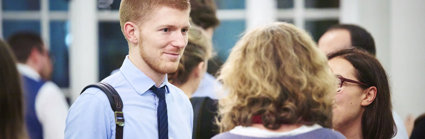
374 16
83 50
260 12
408 56
398 27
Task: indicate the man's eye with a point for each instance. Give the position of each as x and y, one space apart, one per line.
184 30
165 30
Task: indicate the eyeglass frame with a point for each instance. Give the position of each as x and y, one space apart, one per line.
343 79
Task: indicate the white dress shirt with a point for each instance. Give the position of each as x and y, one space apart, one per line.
50 105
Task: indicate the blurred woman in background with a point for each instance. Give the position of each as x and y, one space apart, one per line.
12 124
192 68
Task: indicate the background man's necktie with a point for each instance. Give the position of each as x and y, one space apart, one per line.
161 112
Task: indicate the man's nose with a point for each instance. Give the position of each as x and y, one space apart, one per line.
179 40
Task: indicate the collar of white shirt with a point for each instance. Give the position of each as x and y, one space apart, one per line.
28 71
257 132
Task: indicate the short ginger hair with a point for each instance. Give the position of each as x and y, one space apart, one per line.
138 11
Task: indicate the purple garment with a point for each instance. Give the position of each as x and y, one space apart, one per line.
321 133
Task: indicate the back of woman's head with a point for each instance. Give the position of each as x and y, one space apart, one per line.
11 97
377 119
276 72
198 49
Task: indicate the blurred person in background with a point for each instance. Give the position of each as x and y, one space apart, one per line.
345 36
46 73
362 108
203 14
46 106
12 123
279 85
191 70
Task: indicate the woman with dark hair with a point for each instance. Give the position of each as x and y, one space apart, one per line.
362 106
11 97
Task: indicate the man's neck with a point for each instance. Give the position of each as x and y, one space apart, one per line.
33 65
158 78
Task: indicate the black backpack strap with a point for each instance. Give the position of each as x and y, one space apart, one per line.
116 105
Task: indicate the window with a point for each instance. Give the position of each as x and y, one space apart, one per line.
59 52
49 18
49 21
226 35
112 45
112 48
232 25
315 16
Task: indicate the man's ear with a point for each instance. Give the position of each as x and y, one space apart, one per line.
368 96
131 32
36 59
34 56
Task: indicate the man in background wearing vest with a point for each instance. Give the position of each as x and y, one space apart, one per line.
45 105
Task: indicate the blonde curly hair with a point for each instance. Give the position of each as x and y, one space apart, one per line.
276 72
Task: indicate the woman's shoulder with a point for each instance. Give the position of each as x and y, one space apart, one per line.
228 135
325 133
319 133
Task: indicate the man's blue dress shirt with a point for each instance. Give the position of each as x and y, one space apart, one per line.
91 116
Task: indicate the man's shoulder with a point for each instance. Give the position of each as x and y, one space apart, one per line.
178 94
173 87
91 98
92 94
91 109
51 85
117 81
96 94
175 90
114 78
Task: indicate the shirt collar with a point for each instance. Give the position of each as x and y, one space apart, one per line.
28 71
137 79
263 133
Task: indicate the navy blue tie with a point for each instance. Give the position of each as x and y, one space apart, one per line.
161 112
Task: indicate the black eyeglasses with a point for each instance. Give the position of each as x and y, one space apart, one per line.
341 81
